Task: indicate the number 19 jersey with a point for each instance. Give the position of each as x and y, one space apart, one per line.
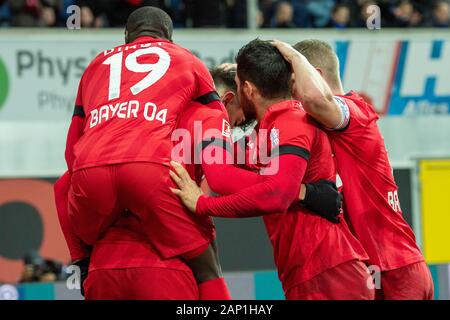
131 97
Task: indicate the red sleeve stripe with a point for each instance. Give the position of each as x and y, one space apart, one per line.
208 98
217 143
79 111
290 149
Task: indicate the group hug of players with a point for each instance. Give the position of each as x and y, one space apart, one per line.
119 202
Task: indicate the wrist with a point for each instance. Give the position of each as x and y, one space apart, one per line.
308 190
201 205
302 192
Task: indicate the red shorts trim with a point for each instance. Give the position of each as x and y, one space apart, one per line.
347 281
412 282
140 284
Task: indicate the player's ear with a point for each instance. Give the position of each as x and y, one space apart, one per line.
227 98
249 90
320 71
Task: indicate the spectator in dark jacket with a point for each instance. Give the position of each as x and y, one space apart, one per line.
340 17
284 15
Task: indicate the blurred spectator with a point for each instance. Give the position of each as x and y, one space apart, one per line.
441 15
283 15
320 12
25 13
48 13
92 13
302 17
267 9
260 19
340 17
117 11
87 18
37 269
236 14
5 14
404 14
206 13
230 13
178 13
363 14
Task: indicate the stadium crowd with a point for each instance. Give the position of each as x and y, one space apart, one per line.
231 13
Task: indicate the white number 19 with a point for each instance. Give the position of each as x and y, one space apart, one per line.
155 70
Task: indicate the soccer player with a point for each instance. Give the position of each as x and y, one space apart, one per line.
320 197
118 147
123 265
203 144
316 259
370 193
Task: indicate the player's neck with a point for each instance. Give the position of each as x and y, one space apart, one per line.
146 34
265 104
337 89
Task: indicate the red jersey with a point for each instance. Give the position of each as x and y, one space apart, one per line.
305 244
131 97
201 126
371 201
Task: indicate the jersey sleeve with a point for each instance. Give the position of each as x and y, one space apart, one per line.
216 132
354 117
76 127
292 135
79 107
274 194
345 114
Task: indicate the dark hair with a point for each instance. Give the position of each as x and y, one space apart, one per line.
224 77
262 64
149 21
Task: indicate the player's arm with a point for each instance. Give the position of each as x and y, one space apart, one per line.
222 175
321 197
226 178
78 250
272 195
76 128
312 90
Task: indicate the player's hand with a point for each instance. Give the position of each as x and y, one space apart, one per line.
83 265
323 198
227 66
286 50
189 192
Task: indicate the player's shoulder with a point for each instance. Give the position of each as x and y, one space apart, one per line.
196 111
358 105
177 50
102 56
293 117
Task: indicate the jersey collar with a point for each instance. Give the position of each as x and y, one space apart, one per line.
286 104
144 39
276 108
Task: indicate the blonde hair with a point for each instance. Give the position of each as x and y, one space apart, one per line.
322 56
